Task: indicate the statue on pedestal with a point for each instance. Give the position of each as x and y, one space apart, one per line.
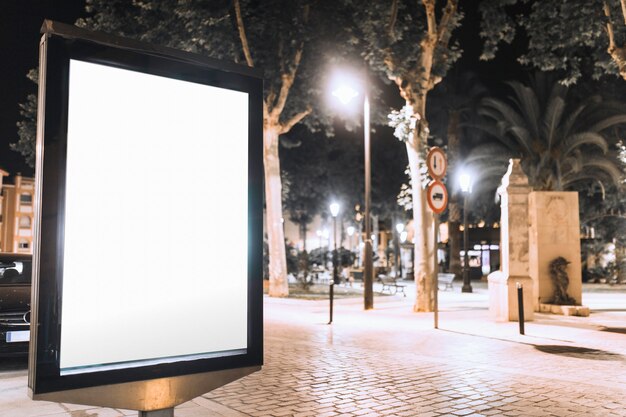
560 281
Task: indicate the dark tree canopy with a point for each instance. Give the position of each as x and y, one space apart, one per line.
575 37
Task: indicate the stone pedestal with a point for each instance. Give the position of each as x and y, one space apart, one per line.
554 232
503 304
513 249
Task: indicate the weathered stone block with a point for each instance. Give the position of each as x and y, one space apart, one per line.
554 231
581 311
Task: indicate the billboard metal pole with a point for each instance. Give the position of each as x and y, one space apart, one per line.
436 275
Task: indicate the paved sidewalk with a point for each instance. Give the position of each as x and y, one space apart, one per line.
391 362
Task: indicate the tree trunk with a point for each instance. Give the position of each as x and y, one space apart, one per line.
422 226
274 215
303 230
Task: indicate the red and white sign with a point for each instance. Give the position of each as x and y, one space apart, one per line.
437 163
437 196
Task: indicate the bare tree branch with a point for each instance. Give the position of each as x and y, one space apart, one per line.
287 82
242 34
618 54
443 34
394 17
271 96
429 5
286 127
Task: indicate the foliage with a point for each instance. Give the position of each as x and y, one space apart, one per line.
574 37
27 127
391 34
560 143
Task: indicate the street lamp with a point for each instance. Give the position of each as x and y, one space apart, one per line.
343 90
465 181
334 211
400 230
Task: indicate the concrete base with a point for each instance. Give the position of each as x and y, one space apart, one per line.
570 310
503 296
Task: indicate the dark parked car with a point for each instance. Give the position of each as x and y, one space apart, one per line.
15 283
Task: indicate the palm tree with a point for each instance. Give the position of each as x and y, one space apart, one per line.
560 144
452 107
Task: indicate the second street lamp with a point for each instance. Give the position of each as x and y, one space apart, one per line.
400 230
465 181
345 93
334 211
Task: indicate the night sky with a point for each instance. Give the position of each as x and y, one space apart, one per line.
20 21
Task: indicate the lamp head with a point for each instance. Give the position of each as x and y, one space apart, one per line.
344 87
465 182
334 209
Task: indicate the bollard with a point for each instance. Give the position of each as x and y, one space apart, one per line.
520 307
332 294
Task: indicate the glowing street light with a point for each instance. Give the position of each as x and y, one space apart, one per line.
350 230
342 89
345 94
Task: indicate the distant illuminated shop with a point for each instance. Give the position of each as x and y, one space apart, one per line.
484 249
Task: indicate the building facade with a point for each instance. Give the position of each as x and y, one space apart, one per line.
17 211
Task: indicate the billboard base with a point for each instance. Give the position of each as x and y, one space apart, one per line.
168 412
151 396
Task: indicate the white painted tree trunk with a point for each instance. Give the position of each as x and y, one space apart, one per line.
274 216
423 266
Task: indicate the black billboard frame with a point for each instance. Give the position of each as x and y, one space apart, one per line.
59 44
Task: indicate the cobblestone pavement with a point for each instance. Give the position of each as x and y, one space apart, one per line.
391 362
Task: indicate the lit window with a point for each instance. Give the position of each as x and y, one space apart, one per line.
25 222
24 244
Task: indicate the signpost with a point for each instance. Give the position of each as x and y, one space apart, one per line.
437 199
136 303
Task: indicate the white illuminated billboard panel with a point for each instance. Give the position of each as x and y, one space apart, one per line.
156 220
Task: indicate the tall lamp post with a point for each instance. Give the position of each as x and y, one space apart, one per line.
465 181
334 211
399 229
345 94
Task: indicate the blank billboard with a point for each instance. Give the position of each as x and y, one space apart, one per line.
155 219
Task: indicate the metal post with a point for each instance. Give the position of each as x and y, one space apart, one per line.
467 286
331 292
335 276
520 307
436 276
166 412
396 246
368 269
335 256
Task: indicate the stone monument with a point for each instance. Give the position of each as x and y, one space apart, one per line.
514 266
554 233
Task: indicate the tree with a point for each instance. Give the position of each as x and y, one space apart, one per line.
560 144
410 44
286 39
571 36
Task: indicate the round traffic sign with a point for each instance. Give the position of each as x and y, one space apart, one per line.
436 162
437 196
